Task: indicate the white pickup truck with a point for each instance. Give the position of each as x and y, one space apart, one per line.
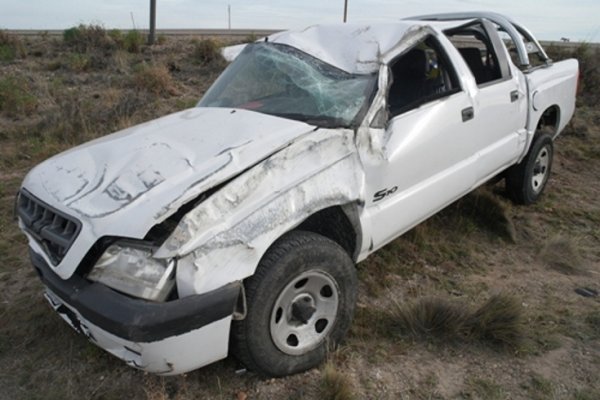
241 220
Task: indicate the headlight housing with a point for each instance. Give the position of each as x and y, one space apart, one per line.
129 267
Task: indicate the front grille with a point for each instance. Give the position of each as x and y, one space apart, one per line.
53 230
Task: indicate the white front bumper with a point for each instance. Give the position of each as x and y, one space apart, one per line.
170 356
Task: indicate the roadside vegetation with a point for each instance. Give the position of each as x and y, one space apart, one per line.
486 300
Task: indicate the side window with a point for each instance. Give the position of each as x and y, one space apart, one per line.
474 45
535 57
420 75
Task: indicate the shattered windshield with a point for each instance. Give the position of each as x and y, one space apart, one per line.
280 80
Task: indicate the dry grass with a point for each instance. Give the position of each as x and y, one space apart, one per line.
466 252
155 79
485 389
11 47
335 385
433 317
563 254
498 321
207 51
16 99
489 212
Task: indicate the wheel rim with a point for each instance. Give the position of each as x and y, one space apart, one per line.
540 169
304 313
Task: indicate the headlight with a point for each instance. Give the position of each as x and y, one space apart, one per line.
131 269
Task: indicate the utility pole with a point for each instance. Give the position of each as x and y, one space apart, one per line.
152 34
229 16
345 10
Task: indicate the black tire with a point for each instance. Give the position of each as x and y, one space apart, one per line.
525 182
296 255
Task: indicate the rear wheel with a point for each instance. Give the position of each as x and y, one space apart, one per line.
300 304
526 181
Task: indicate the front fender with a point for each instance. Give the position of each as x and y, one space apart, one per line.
223 239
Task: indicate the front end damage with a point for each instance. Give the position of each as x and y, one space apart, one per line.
223 239
217 243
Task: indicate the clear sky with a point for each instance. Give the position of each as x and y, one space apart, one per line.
548 19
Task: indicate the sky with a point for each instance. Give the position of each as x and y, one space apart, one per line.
578 20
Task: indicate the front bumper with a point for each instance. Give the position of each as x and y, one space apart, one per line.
164 338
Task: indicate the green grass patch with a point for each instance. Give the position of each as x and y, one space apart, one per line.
11 47
16 99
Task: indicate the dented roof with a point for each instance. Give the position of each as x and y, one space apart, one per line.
354 48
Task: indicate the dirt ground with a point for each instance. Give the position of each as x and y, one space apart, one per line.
540 256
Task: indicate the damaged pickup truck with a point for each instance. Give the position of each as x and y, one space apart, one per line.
240 221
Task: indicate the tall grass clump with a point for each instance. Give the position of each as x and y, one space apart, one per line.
11 47
498 321
335 385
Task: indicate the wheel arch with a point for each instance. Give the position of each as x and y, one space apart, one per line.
339 223
549 121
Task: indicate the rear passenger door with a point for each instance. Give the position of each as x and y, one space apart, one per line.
500 97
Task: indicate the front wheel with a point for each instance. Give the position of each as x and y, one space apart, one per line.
300 304
526 181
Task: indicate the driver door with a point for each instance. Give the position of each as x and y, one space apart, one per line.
429 150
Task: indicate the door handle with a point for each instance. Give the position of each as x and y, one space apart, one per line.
514 96
467 114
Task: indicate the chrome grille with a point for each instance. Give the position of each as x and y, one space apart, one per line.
53 230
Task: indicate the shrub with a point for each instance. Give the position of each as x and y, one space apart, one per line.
155 79
161 39
117 36
133 41
78 62
251 38
15 99
11 47
86 38
208 51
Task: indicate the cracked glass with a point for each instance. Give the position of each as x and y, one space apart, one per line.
283 81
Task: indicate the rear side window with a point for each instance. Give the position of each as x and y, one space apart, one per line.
420 75
476 48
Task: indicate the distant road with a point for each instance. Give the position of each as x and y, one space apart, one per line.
166 32
238 33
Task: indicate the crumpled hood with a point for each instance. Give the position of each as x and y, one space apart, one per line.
146 172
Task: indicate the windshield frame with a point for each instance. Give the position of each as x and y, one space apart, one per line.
324 121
